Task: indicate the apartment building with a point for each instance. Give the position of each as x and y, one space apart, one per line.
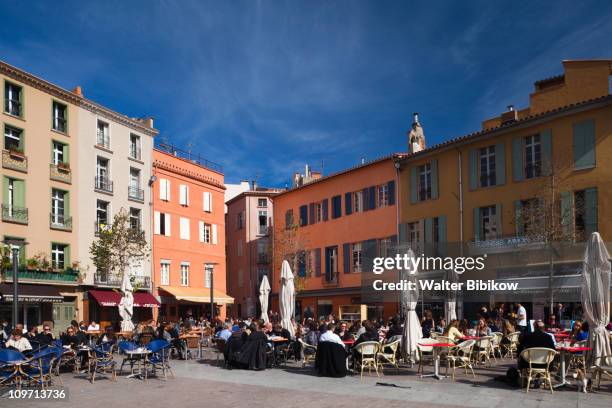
327 228
249 229
470 195
189 235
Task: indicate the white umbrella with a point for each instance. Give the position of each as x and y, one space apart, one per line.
412 327
451 310
596 298
264 292
287 297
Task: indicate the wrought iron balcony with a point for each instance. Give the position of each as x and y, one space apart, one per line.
60 222
114 280
135 193
60 172
102 183
68 275
135 152
18 215
15 160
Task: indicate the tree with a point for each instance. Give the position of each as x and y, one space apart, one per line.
291 243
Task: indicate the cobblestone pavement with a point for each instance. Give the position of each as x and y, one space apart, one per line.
203 383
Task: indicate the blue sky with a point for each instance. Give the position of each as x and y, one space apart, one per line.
263 87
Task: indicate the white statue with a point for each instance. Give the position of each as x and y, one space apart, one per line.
126 305
416 137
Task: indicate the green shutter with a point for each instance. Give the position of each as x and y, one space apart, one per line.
584 144
67 263
428 236
590 198
474 169
66 153
546 143
413 185
434 179
442 239
67 204
500 164
19 193
51 151
566 214
518 219
22 141
517 159
5 189
498 221
477 224
402 232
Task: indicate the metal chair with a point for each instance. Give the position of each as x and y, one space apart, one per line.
40 367
388 354
460 356
483 350
510 346
124 347
542 357
602 366
309 352
101 362
425 352
366 356
159 357
9 371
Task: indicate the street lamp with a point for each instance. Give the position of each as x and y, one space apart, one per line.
212 284
15 246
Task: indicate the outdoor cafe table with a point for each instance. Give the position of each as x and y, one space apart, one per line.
275 341
470 338
140 354
436 356
348 342
564 349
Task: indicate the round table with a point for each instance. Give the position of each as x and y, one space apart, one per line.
436 356
139 354
566 349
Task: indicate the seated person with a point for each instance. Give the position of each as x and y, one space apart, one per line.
441 326
312 337
482 329
108 336
395 329
343 332
226 332
452 331
93 326
171 335
552 322
235 343
279 331
538 338
329 335
370 333
46 336
32 334
18 342
253 353
578 333
71 339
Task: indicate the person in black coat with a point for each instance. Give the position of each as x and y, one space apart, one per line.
46 336
395 329
253 353
234 345
70 339
538 338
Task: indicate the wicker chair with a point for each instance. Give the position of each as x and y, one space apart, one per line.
511 345
425 352
484 347
309 352
603 366
460 356
366 356
541 356
496 345
101 361
388 354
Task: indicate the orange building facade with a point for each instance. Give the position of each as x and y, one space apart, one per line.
189 236
334 224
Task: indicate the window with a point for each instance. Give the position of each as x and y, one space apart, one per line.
102 175
101 215
531 220
183 195
318 212
59 153
357 257
240 220
184 228
262 202
261 272
208 271
383 195
13 139
331 263
134 190
135 147
383 247
533 157
263 222
488 223
289 219
184 274
164 189
57 207
207 200
12 99
424 190
585 213
162 224
102 135
135 219
303 215
240 278
358 201
206 233
164 272
58 256
336 206
487 166
414 234
60 117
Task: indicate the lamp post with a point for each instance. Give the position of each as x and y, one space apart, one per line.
15 246
212 285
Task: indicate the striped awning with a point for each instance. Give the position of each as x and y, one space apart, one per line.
112 298
198 295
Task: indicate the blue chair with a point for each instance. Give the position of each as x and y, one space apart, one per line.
40 367
127 346
59 352
159 357
9 372
106 346
101 361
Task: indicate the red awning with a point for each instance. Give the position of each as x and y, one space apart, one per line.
112 298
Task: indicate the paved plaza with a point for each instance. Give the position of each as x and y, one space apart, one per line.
203 383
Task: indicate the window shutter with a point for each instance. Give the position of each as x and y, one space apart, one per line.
546 143
442 238
566 214
518 219
157 221
403 232
311 211
207 201
434 179
167 224
500 164
214 234
19 193
413 185
346 257
590 198
303 215
325 205
477 224
201 231
517 159
391 190
584 144
498 220
372 198
369 253
168 189
336 206
317 253
67 204
5 189
183 200
162 189
184 228
67 262
474 169
365 197
428 236
348 203
66 151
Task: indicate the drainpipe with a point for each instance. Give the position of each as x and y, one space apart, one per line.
458 309
397 201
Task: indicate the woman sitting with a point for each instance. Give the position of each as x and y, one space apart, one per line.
452 331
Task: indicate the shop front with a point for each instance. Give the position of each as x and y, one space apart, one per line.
103 307
36 303
183 302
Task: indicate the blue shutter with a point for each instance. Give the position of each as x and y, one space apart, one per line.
477 224
336 207
566 214
348 203
366 201
428 236
518 219
546 143
328 271
303 215
311 210
391 190
346 257
317 253
325 204
434 179
590 198
474 169
403 232
413 185
500 164
372 198
517 159
369 253
498 221
442 238
584 144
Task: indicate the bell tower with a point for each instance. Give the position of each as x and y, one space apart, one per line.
416 137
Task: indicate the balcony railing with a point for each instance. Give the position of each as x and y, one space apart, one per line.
60 222
12 107
135 193
102 183
505 244
135 152
60 172
18 215
15 160
330 279
115 279
67 275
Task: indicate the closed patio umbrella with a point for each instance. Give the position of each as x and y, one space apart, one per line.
287 297
412 327
264 292
596 298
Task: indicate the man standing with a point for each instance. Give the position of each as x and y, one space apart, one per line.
521 318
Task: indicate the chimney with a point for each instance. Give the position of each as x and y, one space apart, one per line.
254 185
509 116
307 171
363 160
78 91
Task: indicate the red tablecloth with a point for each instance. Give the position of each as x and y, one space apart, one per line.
562 334
574 349
438 345
348 342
